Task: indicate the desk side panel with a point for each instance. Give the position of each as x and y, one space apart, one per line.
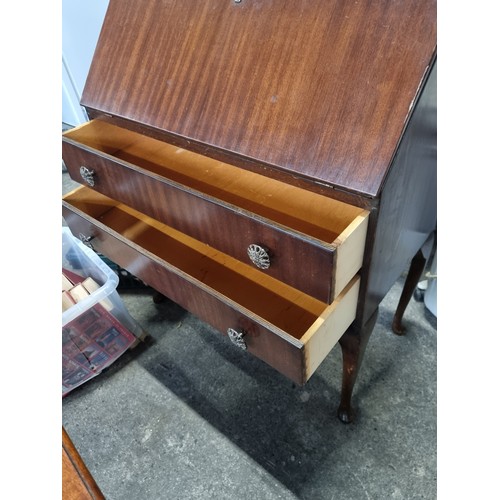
407 214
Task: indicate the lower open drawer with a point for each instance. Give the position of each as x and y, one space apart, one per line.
291 331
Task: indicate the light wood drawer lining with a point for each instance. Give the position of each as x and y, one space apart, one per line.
315 215
276 302
287 329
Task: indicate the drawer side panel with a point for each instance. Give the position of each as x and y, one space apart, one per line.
350 252
330 326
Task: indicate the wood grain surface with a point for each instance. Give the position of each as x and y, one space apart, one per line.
217 289
321 89
77 481
223 206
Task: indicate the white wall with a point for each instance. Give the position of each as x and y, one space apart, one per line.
81 24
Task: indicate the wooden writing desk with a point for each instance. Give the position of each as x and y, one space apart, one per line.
270 166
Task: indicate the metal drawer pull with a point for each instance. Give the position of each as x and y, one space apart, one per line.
86 240
87 175
236 337
259 256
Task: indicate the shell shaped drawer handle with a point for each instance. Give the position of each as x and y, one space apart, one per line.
236 337
86 240
259 256
87 175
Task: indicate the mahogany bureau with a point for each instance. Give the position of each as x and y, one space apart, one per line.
268 165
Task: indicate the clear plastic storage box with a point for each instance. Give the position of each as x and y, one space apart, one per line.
96 326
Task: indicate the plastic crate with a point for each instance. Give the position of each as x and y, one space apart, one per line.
98 328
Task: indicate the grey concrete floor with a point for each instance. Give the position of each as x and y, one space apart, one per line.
186 415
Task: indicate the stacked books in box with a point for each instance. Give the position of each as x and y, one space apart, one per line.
94 339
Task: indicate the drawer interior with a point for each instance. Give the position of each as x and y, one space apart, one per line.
315 215
287 308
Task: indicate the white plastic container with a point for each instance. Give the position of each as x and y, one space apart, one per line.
81 260
98 328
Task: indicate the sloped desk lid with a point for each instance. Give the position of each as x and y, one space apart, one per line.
320 89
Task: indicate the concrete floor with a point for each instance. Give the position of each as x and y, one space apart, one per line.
189 416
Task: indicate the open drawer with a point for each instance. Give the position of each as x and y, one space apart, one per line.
289 330
309 241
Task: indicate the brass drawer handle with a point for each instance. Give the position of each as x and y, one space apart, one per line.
86 240
259 256
236 337
87 175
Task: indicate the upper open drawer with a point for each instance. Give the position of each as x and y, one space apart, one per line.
309 241
284 327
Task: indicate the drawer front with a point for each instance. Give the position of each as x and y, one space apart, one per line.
296 358
303 263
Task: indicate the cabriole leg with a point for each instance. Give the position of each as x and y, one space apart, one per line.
353 344
416 268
